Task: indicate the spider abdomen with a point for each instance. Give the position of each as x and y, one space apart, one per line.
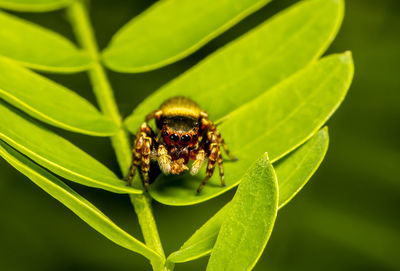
180 106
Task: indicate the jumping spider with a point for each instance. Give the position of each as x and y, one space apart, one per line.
184 133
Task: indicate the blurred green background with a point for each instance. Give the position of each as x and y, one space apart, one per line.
346 218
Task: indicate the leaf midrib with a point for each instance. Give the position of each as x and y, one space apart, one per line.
117 43
59 167
298 108
201 41
263 64
54 121
204 240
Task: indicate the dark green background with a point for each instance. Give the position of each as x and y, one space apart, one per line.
346 218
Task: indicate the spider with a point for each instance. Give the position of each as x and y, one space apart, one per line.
184 133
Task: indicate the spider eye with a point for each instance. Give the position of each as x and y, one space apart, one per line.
185 138
174 137
165 133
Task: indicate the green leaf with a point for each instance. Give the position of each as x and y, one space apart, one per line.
56 153
254 63
80 206
293 173
171 30
296 169
277 121
201 243
51 102
249 221
34 5
39 48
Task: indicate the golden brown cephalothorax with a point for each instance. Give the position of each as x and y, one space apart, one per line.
184 132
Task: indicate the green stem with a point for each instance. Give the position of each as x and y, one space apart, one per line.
101 86
142 205
169 266
120 142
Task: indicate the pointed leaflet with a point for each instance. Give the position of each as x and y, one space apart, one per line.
249 220
171 30
248 66
201 243
56 153
37 47
51 102
80 206
277 121
293 172
296 169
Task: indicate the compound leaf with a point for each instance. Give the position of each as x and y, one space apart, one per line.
277 121
247 67
56 153
171 30
249 220
34 5
293 172
79 205
39 48
51 102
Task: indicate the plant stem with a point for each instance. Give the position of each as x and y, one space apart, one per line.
101 86
142 206
169 266
120 142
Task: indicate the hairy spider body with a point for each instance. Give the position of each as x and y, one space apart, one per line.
184 133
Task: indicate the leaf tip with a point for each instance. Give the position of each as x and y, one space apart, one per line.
325 133
346 57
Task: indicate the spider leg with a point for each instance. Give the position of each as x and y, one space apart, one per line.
213 156
207 124
156 114
141 154
136 158
226 149
221 168
146 150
